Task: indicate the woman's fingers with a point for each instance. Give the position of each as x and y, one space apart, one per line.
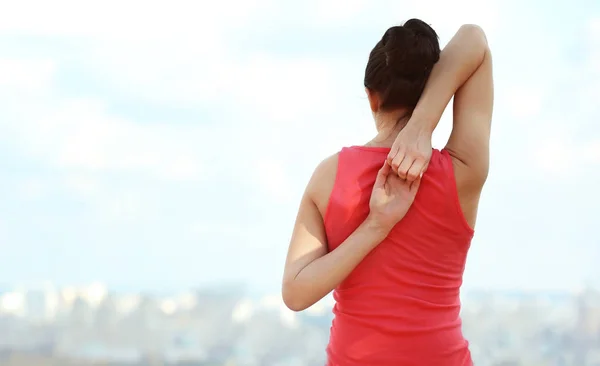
414 186
408 165
404 167
393 152
382 175
397 160
415 170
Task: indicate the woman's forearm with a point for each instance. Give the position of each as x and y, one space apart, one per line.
458 61
321 276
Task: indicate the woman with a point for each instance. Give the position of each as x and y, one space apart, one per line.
395 258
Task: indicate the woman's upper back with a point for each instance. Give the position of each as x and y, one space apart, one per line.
409 285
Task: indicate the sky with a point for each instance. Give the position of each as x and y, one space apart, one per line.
165 145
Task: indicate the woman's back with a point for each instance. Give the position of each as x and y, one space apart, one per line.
401 303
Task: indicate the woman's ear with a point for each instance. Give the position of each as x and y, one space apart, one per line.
373 100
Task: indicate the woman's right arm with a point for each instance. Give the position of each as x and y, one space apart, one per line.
465 72
311 272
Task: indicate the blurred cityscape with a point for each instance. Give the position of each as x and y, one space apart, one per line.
227 327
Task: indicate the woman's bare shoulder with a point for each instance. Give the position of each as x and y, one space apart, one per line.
322 181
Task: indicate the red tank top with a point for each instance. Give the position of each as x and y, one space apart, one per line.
400 306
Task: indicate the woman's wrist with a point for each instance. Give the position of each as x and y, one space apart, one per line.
422 124
376 228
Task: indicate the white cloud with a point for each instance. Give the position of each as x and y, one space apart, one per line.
525 101
82 185
232 235
3 234
564 157
80 134
594 26
594 49
285 89
107 200
125 208
182 72
133 20
273 178
163 50
188 73
31 189
26 75
446 17
591 152
334 12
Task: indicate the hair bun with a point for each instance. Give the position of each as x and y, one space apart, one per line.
394 39
410 49
401 62
420 28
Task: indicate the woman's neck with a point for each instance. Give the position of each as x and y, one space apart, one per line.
388 128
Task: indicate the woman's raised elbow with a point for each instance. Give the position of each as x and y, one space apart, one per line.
475 33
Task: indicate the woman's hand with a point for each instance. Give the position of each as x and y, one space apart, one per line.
411 152
391 198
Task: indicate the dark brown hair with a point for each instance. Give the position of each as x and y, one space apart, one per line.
401 63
